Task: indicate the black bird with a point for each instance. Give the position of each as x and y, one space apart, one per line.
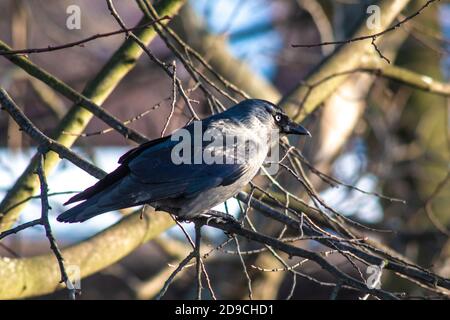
152 173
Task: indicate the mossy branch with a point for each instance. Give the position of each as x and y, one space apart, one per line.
407 77
307 96
39 275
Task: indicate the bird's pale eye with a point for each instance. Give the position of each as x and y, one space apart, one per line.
278 118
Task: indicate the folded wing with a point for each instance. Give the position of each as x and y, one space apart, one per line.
147 174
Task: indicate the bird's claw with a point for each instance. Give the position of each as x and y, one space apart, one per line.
222 219
217 220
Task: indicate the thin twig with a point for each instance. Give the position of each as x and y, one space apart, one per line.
107 130
244 267
45 142
428 206
373 37
174 273
235 228
160 63
198 236
21 227
174 98
48 230
79 42
114 13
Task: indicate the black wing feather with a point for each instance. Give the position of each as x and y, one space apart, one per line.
116 175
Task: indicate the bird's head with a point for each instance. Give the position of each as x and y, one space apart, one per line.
281 119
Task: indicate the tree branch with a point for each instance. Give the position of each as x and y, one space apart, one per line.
296 251
39 275
7 52
304 99
407 77
75 97
45 143
372 36
77 118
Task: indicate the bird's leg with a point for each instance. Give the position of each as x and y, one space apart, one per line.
219 217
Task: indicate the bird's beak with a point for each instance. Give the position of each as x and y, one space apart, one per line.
293 128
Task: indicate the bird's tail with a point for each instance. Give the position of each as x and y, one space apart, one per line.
84 211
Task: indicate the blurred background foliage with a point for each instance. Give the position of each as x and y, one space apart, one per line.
374 133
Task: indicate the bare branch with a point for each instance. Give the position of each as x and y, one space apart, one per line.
49 48
45 142
373 37
48 230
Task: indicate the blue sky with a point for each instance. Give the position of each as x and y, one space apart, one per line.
228 16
